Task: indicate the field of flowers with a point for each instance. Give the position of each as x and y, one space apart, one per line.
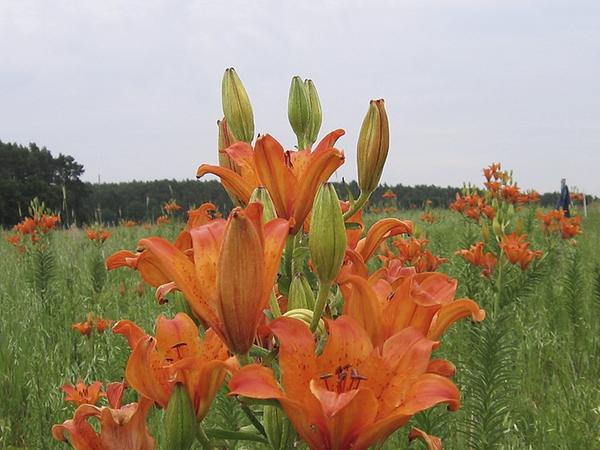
302 321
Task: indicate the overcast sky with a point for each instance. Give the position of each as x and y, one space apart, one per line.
131 89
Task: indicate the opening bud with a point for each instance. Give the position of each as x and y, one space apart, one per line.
180 420
327 236
237 107
373 145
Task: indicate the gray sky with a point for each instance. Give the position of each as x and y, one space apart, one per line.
131 89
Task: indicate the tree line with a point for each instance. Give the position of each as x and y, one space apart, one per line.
30 171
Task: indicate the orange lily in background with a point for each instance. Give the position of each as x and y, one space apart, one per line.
121 427
432 442
80 393
84 328
476 256
200 216
424 301
570 227
102 324
176 354
99 236
292 178
231 277
351 395
516 249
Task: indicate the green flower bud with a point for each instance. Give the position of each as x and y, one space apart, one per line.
261 195
327 236
299 111
316 115
297 294
309 294
180 420
497 228
373 145
280 432
237 107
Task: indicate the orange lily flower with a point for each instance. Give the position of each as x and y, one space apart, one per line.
475 255
388 195
517 250
412 251
102 324
80 394
424 301
163 220
570 227
234 266
121 428
176 354
128 223
200 216
351 395
432 442
98 235
171 206
84 328
292 178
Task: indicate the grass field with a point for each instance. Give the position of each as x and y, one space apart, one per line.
529 376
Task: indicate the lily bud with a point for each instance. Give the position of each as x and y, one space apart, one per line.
180 420
485 232
237 107
316 115
327 236
261 195
297 294
373 145
277 427
239 282
309 294
299 111
497 228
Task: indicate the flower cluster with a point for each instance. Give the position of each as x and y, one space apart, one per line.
261 285
555 221
86 327
39 224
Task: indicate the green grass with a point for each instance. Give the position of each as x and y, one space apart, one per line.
553 331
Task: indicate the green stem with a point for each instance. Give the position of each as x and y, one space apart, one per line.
497 298
252 417
357 205
322 296
288 255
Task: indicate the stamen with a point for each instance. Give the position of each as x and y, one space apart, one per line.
325 377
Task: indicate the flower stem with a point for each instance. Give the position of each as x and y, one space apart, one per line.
274 305
320 304
357 205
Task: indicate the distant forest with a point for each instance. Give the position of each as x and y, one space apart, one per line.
30 171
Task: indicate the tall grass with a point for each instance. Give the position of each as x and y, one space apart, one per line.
550 389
